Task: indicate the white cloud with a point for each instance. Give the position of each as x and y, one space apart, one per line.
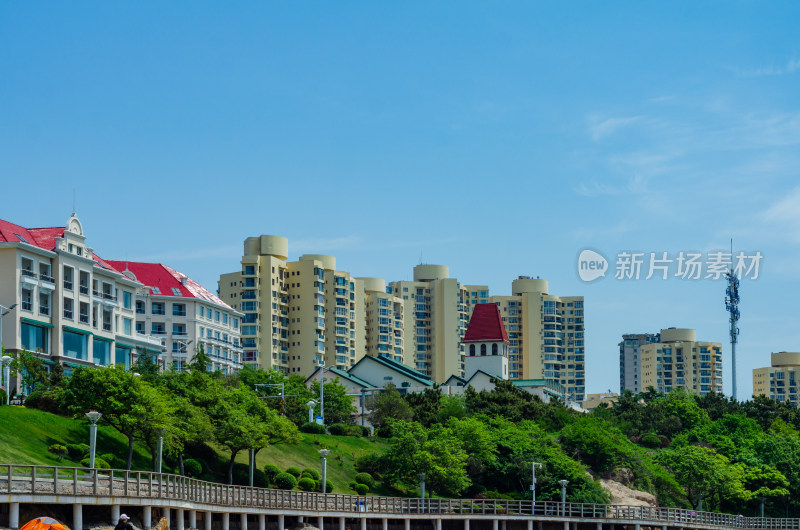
600 128
791 66
786 212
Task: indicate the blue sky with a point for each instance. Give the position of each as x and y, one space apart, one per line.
497 138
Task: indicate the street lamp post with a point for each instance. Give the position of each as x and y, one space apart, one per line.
533 485
160 449
563 483
421 478
311 404
5 361
93 416
323 453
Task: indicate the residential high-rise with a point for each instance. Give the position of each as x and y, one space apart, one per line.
629 359
185 316
437 311
68 305
298 315
546 335
779 381
679 360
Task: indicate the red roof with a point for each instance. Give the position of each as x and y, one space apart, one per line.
485 325
44 238
166 281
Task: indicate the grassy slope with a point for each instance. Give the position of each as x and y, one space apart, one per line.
25 435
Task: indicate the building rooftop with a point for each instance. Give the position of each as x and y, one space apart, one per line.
486 325
163 280
399 367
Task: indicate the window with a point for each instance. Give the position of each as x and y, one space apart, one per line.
84 282
155 290
176 291
224 318
235 323
44 304
122 356
216 316
27 300
44 272
102 352
68 306
140 310
126 300
179 330
69 277
27 268
179 310
140 328
126 326
494 349
84 313
157 328
157 308
75 345
34 338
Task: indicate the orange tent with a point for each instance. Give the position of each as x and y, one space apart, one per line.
44 523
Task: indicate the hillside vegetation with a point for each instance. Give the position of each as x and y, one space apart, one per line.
686 450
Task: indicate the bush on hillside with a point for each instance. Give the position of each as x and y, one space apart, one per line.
365 478
3 397
192 468
306 484
369 463
46 400
284 481
651 440
271 471
99 463
361 489
338 429
294 471
59 450
312 473
77 451
312 428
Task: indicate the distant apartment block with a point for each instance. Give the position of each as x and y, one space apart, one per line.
298 315
185 316
778 381
679 360
630 359
69 306
546 335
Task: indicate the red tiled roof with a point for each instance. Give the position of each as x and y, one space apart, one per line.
485 325
40 237
166 279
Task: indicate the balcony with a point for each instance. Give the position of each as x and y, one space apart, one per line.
84 289
68 285
26 273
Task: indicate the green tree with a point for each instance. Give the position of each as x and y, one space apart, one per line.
338 405
146 365
201 360
388 405
30 371
427 406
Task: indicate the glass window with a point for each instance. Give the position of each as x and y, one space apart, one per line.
126 299
126 326
75 345
102 352
122 356
179 310
158 308
34 338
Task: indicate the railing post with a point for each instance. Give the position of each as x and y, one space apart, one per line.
96 477
55 480
10 471
33 479
74 481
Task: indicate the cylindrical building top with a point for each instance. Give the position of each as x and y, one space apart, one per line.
425 273
267 246
328 262
678 335
373 285
528 285
786 358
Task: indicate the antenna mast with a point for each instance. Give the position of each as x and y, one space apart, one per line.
732 307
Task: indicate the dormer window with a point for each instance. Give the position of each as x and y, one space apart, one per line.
155 290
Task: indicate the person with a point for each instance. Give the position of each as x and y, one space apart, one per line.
123 523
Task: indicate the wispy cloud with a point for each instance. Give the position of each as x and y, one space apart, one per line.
786 213
600 128
790 67
636 185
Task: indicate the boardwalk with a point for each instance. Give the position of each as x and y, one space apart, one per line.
187 501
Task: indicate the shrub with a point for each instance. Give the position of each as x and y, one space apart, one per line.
294 471
271 471
355 430
112 460
306 484
328 486
352 485
192 468
384 432
338 429
285 481
365 478
59 450
369 463
77 451
364 430
311 473
99 463
312 428
47 401
3 397
651 440
361 489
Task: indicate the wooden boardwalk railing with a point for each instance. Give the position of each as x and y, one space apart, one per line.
44 481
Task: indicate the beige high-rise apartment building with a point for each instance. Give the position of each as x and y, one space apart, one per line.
679 360
778 381
546 335
301 314
437 310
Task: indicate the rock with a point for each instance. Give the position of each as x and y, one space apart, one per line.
621 494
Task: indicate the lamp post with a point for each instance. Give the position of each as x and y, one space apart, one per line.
700 502
160 449
93 416
421 478
323 453
311 404
563 483
533 485
5 361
